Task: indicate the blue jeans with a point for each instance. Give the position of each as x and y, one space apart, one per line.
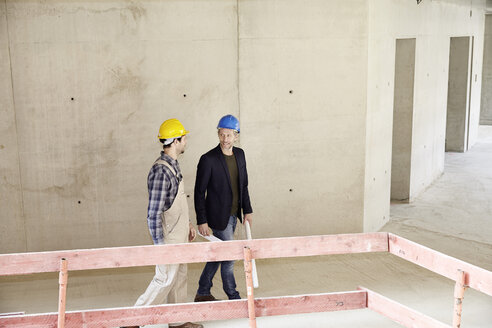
226 267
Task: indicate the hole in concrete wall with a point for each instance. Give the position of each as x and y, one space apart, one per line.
459 93
291 91
403 118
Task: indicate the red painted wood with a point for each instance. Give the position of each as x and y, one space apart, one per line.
447 266
30 321
331 302
459 292
399 313
26 263
204 311
62 292
249 287
11 313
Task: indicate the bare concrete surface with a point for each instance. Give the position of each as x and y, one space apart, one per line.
457 207
84 86
452 216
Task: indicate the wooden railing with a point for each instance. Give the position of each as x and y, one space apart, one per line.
26 263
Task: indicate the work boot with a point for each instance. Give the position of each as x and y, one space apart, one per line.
188 325
205 298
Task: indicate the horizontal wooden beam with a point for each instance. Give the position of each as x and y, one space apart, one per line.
399 313
103 258
203 311
447 266
328 302
11 314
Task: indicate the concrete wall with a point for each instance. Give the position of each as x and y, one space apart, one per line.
303 98
12 233
92 83
127 67
88 83
486 110
432 23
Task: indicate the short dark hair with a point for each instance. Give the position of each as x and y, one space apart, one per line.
169 145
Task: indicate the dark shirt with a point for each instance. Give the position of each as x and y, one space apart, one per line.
233 173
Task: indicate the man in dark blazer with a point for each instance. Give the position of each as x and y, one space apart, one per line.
221 194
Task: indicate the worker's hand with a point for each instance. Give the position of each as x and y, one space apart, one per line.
204 229
249 218
192 234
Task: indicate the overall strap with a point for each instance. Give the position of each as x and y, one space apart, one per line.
163 162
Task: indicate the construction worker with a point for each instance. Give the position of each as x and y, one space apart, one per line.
221 194
168 219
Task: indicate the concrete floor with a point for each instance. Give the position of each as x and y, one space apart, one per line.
453 216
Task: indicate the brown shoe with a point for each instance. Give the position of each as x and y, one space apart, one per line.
205 298
188 325
131 327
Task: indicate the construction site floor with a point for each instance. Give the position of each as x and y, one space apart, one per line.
453 216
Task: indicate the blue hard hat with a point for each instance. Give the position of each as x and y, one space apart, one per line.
229 122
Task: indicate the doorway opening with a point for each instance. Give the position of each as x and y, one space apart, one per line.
459 94
403 119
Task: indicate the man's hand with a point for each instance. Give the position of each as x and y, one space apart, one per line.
204 229
192 234
249 218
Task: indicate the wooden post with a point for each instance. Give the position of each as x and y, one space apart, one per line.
255 274
62 296
459 291
249 287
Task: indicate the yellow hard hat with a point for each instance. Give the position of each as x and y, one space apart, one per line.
171 129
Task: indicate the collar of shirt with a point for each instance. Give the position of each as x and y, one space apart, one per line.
174 164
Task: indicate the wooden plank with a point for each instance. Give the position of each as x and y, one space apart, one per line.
253 263
26 263
249 287
62 292
399 313
459 293
11 313
447 266
44 320
203 311
330 302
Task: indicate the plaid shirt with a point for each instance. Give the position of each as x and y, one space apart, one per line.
163 188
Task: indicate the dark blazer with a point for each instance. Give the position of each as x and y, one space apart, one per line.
213 191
